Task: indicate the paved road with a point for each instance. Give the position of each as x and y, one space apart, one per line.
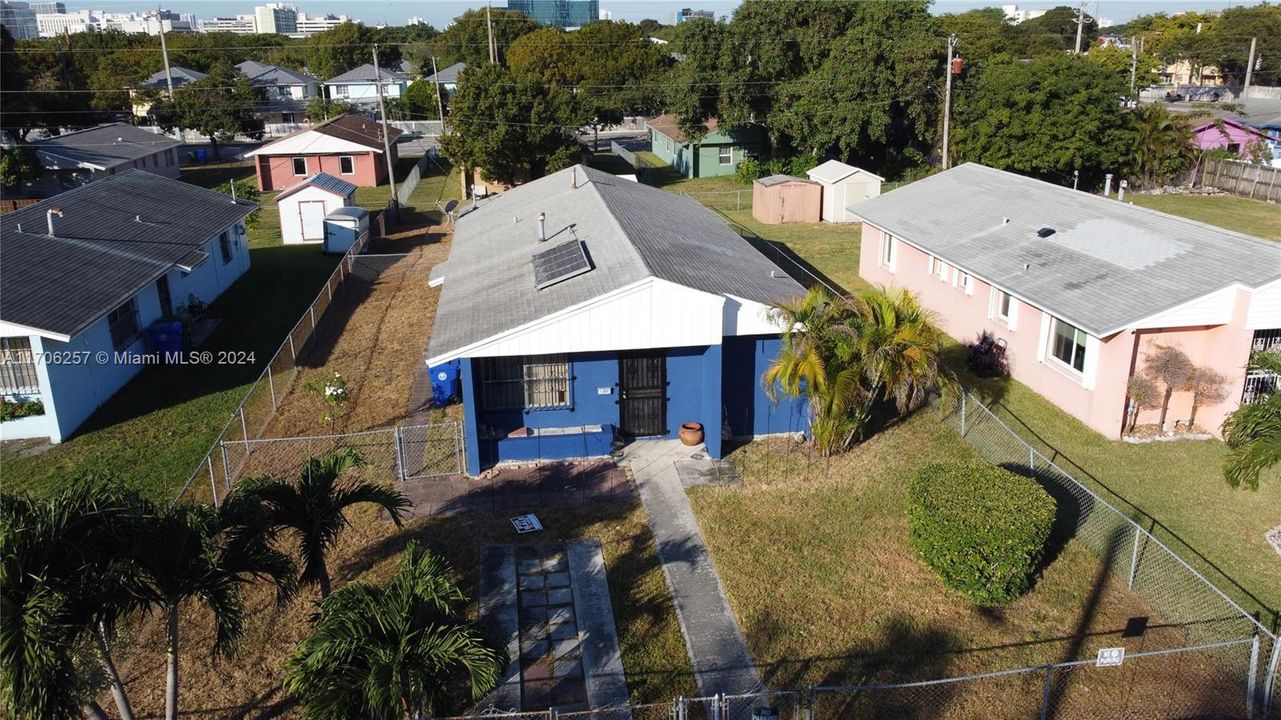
716 647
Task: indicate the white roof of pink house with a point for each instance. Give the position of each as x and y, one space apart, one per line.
1106 266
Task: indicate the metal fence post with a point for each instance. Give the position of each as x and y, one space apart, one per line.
1134 555
1031 460
1270 676
226 465
400 453
293 357
963 396
1045 692
213 484
271 385
312 311
1250 680
244 430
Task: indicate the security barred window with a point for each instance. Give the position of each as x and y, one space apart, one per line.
524 383
17 367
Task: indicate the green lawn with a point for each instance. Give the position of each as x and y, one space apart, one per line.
152 433
1252 217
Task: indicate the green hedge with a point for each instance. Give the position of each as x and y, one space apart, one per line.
10 410
983 529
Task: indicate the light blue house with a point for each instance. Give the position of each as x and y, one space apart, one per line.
85 273
583 308
360 85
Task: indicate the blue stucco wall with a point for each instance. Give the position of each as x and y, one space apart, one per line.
74 391
749 410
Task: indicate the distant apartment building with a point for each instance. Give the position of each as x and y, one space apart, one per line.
48 7
277 19
558 13
20 19
57 23
685 14
1016 14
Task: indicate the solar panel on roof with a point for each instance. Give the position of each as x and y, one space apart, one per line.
560 263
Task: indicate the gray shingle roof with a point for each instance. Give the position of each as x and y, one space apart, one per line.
264 74
116 235
324 181
631 232
1108 264
448 75
104 146
181 76
773 180
365 74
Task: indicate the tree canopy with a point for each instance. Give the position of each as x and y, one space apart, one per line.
467 37
219 106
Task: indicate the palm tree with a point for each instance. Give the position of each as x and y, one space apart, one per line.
314 507
900 349
65 580
812 364
1253 431
1173 369
391 652
194 552
1162 145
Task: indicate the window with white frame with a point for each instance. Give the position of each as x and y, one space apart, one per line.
340 90
300 166
726 155
123 322
940 269
1067 345
966 283
1003 305
346 165
887 251
524 383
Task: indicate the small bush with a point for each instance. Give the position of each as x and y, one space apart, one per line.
749 170
752 169
983 529
10 410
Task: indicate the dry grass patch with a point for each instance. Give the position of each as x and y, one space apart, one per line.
815 560
249 685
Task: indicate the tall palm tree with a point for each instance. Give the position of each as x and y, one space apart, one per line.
1253 431
392 652
814 363
1162 145
900 349
313 507
194 552
65 580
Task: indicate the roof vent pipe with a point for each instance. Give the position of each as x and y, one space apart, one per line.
542 227
1005 221
49 218
1120 194
137 218
1107 185
573 178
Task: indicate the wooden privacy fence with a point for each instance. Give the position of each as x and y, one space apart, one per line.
1259 182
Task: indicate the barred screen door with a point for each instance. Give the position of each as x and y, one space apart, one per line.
642 403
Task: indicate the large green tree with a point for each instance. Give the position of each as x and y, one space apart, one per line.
1046 117
219 106
346 47
467 37
513 126
391 652
1161 146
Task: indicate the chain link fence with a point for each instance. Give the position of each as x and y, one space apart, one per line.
1183 596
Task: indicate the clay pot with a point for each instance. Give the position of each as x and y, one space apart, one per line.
692 433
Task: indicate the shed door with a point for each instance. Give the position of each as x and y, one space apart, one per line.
642 402
313 219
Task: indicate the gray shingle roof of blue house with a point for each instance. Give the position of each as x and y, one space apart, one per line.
631 232
115 235
181 76
105 146
365 74
1105 266
448 75
264 74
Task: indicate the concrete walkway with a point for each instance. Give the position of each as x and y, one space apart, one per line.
716 647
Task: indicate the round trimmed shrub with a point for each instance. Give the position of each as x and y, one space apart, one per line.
983 529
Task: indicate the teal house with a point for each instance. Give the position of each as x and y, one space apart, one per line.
716 153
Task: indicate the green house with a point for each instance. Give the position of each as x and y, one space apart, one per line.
716 153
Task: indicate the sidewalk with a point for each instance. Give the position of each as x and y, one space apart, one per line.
716 647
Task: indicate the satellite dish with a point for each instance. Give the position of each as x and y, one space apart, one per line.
451 206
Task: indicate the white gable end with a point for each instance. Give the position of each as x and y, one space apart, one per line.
311 142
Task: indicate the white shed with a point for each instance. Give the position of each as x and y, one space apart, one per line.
305 205
843 186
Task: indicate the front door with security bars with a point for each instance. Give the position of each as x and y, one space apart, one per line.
642 397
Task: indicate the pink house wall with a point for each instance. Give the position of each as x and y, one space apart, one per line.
965 315
1211 137
276 172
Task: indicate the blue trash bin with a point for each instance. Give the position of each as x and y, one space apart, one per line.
201 154
166 337
444 383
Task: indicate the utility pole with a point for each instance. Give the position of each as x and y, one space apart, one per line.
440 107
164 50
489 27
947 100
1249 67
1134 68
382 111
1080 25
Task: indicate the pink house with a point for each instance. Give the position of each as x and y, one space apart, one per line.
1228 134
348 147
1078 286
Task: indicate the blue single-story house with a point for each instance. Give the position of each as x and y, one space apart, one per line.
582 307
83 275
714 154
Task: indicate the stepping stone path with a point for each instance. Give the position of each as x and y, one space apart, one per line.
550 656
